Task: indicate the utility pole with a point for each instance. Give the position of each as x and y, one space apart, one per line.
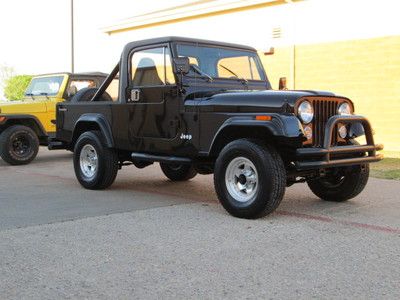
72 36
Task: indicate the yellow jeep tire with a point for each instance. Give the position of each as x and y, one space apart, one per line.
19 145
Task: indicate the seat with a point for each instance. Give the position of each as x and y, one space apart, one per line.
146 73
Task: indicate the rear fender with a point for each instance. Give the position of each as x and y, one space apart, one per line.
94 121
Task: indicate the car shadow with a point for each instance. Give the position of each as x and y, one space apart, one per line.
55 156
298 198
130 180
63 156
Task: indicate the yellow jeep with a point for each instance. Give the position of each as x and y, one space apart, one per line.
30 122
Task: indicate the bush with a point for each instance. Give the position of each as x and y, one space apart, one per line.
15 86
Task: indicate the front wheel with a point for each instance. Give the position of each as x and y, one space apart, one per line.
341 184
96 166
178 172
249 178
19 145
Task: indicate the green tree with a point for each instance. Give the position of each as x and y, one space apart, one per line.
15 86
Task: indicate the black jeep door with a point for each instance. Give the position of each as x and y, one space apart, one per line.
152 103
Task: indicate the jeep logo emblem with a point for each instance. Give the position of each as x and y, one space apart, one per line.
186 136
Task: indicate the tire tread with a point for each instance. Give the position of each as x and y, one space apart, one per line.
184 174
109 157
5 136
354 185
277 187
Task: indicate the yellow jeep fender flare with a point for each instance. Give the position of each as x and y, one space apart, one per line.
26 120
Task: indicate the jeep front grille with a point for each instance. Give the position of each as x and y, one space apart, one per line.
323 110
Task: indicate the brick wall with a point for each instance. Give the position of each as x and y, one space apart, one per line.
366 71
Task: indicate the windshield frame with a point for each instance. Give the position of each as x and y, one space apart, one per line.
62 83
257 60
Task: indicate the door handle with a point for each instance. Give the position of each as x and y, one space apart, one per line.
135 95
62 109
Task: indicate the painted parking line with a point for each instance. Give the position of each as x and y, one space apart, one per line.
325 219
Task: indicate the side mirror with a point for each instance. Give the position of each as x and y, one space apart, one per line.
182 65
282 83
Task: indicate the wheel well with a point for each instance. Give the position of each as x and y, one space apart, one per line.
31 123
232 133
82 127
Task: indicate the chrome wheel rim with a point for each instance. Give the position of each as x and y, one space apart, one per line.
241 179
88 161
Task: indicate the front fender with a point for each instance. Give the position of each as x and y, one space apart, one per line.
22 119
280 125
101 122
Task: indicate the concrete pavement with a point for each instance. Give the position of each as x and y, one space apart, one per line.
149 238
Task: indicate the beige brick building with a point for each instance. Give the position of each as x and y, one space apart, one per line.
366 70
349 47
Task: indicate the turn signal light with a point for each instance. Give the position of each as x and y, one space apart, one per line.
263 118
342 131
2 119
308 132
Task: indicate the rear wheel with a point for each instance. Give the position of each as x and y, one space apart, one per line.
249 178
96 166
19 145
341 184
178 172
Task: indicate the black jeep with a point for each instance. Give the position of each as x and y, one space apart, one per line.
205 107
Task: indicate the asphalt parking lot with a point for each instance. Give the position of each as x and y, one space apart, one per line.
146 237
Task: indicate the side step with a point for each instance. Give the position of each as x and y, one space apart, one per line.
158 158
55 145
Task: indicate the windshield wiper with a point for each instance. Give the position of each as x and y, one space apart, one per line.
202 73
30 94
45 94
241 79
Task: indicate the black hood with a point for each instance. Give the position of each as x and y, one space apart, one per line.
253 101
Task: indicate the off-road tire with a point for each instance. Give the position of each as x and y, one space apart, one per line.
107 162
271 180
176 172
339 188
86 94
19 145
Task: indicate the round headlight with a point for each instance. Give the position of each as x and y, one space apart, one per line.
306 112
344 109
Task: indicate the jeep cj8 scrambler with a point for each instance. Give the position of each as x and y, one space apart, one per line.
207 107
30 122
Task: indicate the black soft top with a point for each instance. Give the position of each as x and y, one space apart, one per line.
168 39
87 74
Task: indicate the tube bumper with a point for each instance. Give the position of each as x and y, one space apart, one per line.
324 157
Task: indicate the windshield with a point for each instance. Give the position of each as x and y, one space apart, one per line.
218 62
44 86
